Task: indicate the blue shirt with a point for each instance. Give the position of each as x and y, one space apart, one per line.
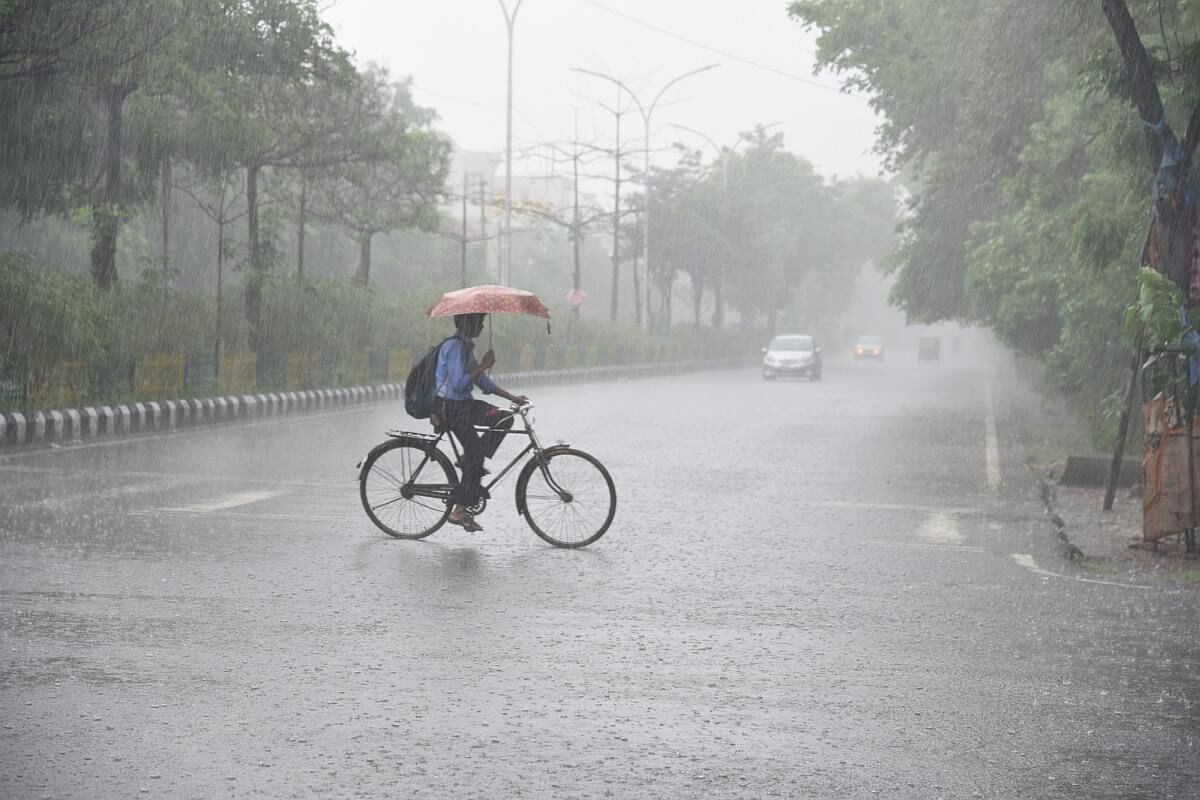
456 361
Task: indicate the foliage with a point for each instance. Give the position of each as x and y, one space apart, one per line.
1157 309
1026 166
763 223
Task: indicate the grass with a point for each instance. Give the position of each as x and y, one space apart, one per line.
1094 566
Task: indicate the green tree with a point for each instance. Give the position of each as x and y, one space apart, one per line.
400 177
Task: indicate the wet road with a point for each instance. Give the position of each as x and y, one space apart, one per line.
841 589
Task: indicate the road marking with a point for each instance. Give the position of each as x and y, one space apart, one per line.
177 513
992 447
940 529
226 502
161 484
961 511
948 548
1026 561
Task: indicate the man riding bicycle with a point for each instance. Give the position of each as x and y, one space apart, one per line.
457 411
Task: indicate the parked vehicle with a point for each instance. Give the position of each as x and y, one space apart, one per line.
929 349
868 347
792 355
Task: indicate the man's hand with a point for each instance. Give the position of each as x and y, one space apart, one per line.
489 358
519 399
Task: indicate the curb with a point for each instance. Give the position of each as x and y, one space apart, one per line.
164 416
1062 542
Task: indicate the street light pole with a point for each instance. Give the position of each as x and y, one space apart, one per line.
647 113
510 20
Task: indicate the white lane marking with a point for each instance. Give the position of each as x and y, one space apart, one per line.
949 548
992 447
961 511
1026 561
161 484
940 529
173 513
226 502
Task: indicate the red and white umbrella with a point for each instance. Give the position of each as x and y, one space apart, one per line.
489 299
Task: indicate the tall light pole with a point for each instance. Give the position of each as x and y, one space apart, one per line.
510 20
647 112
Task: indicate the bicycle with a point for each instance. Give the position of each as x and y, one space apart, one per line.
407 486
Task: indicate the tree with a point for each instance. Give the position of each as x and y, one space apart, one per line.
54 70
401 177
1009 124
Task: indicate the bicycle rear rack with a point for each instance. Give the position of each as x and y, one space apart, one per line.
396 433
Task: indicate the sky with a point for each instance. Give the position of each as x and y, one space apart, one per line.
456 53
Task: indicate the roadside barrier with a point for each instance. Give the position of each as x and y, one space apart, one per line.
163 416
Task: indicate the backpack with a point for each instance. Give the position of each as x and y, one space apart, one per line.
420 387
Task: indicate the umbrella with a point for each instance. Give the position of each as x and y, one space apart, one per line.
490 299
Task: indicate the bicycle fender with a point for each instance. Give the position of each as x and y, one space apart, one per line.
527 470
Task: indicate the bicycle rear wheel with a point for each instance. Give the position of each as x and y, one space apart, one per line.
407 487
569 499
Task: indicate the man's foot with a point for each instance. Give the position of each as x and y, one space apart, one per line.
464 520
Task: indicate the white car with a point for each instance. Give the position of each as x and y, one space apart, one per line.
792 354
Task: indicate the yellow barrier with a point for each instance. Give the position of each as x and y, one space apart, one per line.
593 355
158 376
299 371
399 363
238 373
62 386
355 368
572 359
527 358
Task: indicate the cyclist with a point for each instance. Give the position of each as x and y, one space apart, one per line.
455 410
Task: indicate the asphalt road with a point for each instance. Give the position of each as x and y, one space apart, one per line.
841 589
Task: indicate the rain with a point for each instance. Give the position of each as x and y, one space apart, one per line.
596 398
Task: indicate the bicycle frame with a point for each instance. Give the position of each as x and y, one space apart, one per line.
411 488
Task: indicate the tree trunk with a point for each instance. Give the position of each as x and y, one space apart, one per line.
772 317
1140 71
300 224
166 212
637 290
697 297
718 317
363 275
255 275
106 215
1174 231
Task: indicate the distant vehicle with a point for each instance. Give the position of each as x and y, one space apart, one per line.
868 347
792 354
929 348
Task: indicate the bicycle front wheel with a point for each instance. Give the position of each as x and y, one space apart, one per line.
407 488
568 498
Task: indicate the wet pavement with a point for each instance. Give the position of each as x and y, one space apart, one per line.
842 589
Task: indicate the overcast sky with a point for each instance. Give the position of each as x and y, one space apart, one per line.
455 50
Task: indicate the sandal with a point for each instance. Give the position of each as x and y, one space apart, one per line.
466 522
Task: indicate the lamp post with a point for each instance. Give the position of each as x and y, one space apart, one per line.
510 20
647 112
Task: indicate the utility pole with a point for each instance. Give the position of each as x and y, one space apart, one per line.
483 234
647 112
463 281
510 20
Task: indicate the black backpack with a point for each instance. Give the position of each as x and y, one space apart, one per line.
420 387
